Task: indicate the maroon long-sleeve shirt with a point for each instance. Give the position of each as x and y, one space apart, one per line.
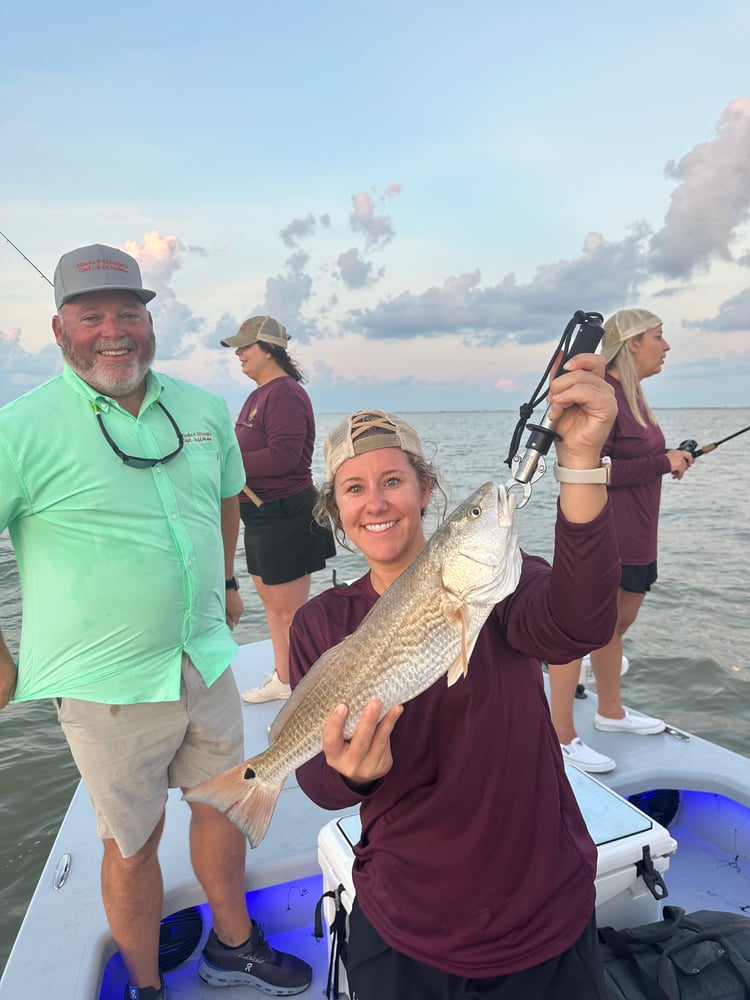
639 463
474 857
276 434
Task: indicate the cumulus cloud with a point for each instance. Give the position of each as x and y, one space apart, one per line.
709 204
299 228
711 200
377 228
601 277
296 229
160 257
22 370
355 271
288 292
734 314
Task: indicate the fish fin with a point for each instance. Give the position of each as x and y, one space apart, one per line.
457 669
465 652
460 666
248 802
302 689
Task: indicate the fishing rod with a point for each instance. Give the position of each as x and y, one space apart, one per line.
8 240
692 446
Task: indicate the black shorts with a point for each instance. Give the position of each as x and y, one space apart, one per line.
376 971
282 541
638 579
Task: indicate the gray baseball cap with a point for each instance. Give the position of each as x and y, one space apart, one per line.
98 268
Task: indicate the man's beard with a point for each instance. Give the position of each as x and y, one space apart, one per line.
115 380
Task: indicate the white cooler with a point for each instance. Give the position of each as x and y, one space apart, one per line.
632 848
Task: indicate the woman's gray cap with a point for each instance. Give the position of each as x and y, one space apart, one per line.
264 328
98 268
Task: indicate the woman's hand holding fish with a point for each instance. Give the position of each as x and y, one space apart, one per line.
367 755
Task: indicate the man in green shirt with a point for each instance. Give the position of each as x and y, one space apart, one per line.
119 492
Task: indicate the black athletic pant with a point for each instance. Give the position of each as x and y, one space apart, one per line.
377 972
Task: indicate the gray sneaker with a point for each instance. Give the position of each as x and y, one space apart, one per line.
254 963
271 688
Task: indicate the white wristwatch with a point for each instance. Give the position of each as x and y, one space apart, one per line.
601 475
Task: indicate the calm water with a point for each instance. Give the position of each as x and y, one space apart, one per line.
688 650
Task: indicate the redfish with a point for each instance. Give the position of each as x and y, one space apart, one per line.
424 626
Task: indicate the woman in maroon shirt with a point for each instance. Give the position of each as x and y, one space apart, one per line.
634 348
276 434
475 871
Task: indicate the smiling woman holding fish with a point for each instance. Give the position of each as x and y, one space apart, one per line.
475 871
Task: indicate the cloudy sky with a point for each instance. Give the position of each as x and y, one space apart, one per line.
423 193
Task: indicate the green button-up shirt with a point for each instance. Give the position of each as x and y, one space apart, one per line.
121 569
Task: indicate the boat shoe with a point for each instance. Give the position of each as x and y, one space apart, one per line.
254 963
585 758
639 725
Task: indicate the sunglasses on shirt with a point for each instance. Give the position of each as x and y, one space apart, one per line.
136 461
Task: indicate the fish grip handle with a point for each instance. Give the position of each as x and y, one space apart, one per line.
542 435
339 945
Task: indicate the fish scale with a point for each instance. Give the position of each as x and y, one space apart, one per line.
423 627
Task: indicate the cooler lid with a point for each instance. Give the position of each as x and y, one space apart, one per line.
608 816
350 827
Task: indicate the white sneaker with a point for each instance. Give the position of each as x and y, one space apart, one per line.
640 725
271 688
587 674
584 758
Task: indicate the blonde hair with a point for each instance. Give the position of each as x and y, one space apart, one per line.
624 365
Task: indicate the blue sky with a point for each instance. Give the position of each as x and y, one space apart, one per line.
423 193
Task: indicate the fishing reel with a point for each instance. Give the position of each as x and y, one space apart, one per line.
689 445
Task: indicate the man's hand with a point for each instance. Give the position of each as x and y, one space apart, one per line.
235 607
8 674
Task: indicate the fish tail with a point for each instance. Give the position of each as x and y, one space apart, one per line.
243 796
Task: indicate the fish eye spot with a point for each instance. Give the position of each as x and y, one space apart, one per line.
475 512
249 773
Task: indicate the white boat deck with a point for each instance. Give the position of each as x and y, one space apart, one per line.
64 950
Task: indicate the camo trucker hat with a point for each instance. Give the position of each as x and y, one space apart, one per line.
622 326
264 328
368 430
98 268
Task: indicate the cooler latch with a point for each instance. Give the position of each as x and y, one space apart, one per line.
645 868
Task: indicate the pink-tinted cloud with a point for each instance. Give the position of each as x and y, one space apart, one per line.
377 228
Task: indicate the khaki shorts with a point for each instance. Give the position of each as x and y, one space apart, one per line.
129 755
